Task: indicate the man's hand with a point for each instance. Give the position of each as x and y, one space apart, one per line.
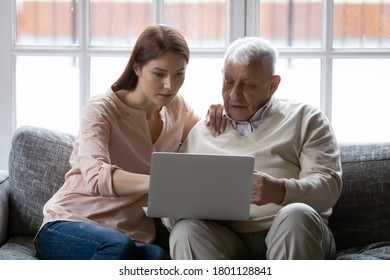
267 189
215 120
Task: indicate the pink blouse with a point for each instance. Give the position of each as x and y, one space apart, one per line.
113 135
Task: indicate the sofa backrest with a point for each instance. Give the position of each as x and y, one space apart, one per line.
362 214
38 161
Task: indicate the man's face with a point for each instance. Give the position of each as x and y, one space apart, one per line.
246 89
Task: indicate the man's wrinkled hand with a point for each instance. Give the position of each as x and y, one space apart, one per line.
267 189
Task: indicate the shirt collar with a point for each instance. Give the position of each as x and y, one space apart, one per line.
246 127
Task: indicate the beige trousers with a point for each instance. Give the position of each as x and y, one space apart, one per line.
297 232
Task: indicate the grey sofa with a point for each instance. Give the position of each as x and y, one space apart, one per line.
39 158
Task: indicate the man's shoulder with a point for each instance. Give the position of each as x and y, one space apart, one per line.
202 131
200 126
301 112
294 106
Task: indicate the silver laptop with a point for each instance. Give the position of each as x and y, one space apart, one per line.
200 186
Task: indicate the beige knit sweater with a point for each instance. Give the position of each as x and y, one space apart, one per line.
294 142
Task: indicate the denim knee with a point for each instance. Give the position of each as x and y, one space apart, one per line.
120 248
64 240
151 252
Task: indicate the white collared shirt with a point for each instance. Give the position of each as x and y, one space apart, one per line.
246 127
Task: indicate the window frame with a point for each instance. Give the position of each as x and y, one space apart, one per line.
7 101
235 10
326 53
241 20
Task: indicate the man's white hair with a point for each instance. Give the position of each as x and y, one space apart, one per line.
245 50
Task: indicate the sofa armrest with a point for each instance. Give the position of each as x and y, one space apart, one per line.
4 206
3 176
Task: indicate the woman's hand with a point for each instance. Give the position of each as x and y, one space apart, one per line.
128 183
215 120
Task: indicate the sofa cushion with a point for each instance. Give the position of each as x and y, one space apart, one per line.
361 215
18 248
4 207
376 251
38 161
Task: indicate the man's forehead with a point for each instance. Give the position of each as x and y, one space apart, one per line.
253 68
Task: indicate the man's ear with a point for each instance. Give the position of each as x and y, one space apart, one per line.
275 83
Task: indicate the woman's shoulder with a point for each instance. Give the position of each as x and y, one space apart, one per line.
178 106
103 104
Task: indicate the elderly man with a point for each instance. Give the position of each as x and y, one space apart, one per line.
297 177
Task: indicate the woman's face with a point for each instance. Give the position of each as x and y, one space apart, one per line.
160 79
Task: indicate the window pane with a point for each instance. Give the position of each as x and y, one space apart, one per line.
201 88
300 80
362 23
290 23
201 22
203 83
46 22
104 72
361 100
119 22
47 92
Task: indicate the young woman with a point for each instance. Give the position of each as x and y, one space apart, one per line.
97 213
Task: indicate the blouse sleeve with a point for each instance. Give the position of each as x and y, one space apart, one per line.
93 152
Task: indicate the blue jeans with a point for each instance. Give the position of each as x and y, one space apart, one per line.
68 240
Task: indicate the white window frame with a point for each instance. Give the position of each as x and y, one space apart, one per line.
326 53
241 20
9 51
7 100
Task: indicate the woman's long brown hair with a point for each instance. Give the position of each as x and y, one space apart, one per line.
151 44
